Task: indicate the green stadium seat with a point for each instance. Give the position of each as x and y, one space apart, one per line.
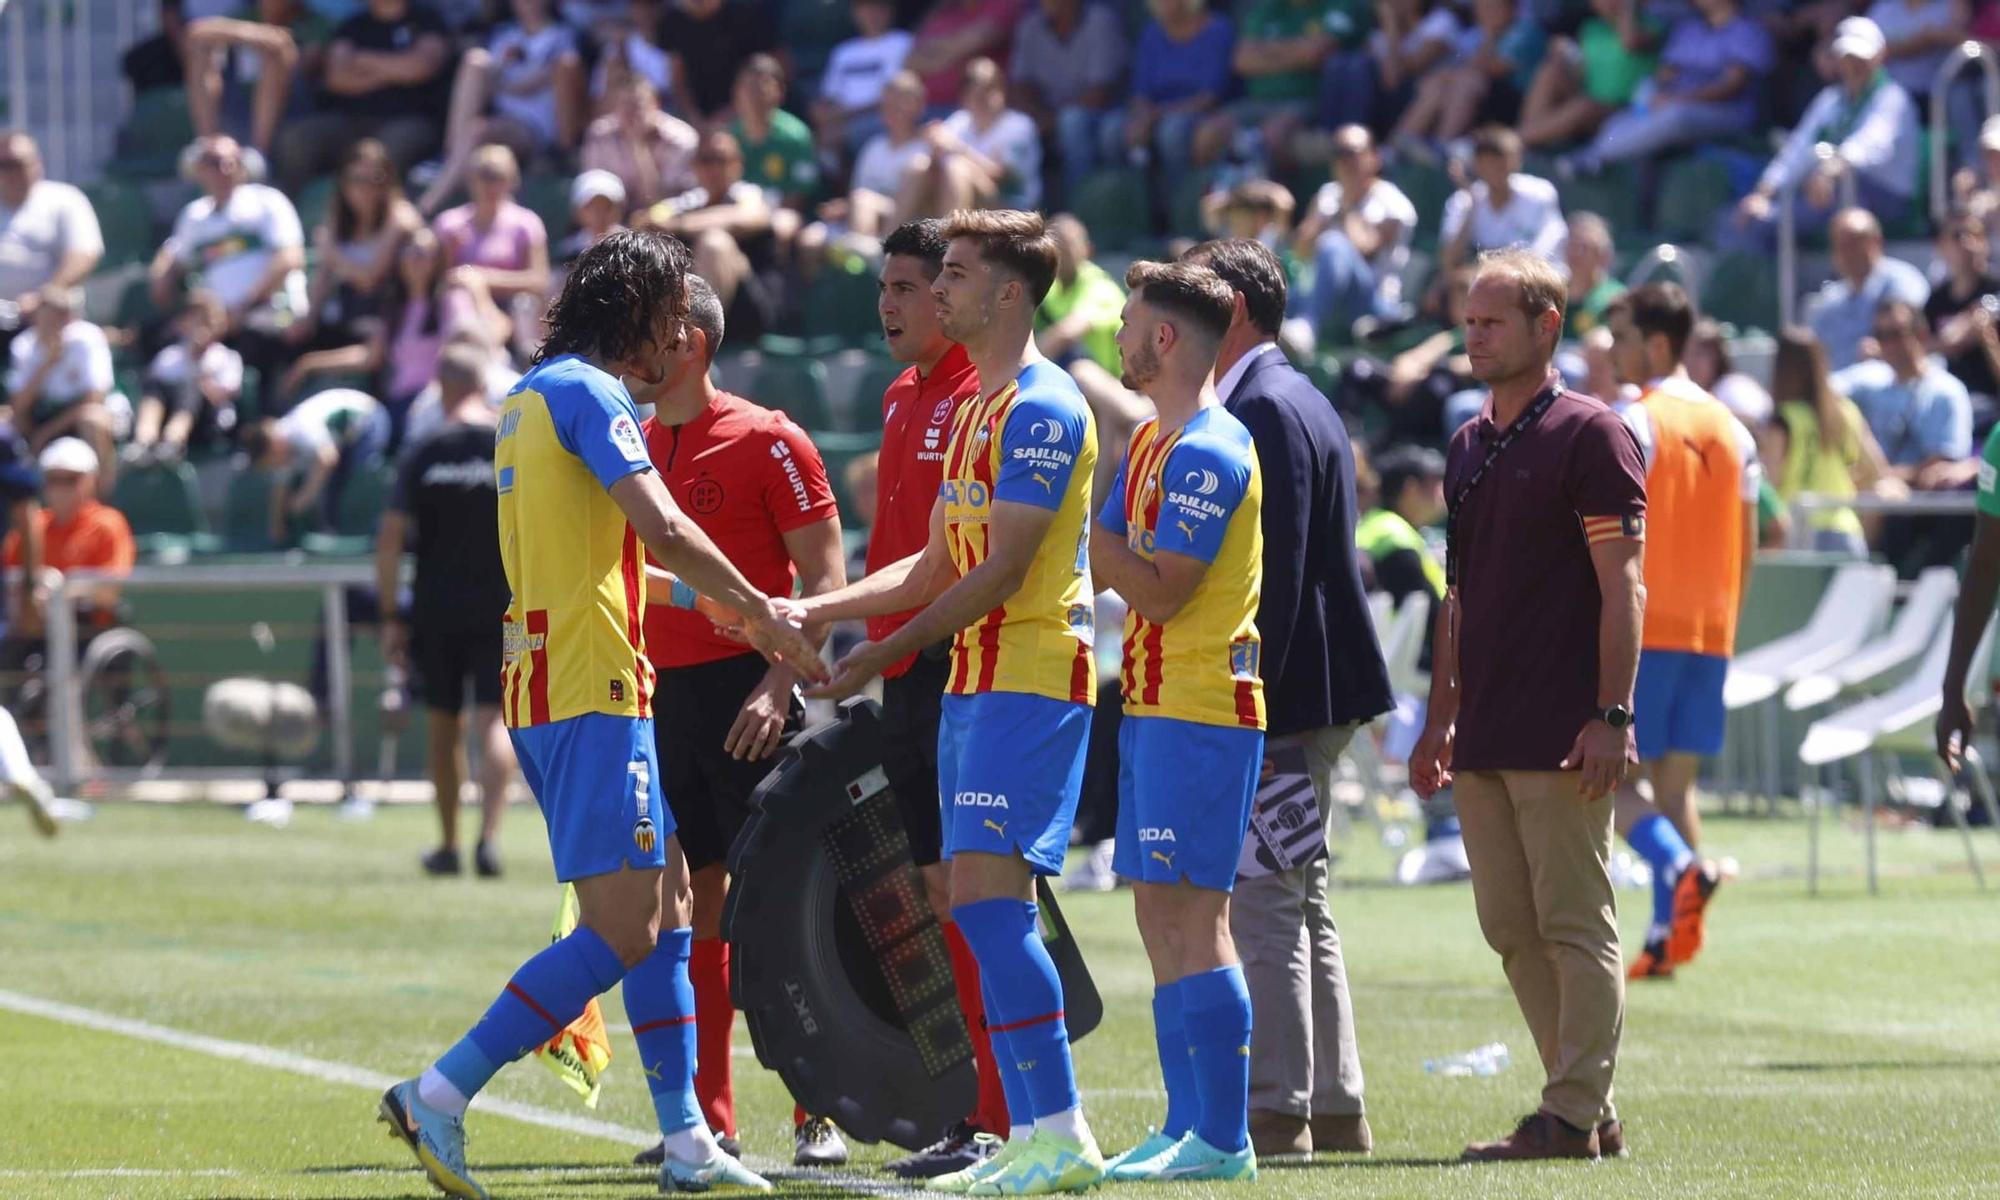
126 219
1184 205
841 304
795 385
150 142
809 30
1611 193
838 450
1692 191
547 196
1742 289
312 201
364 499
246 513
158 498
1428 187
866 415
1115 206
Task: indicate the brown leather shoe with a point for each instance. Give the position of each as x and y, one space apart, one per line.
1279 1135
1539 1135
1611 1138
1335 1134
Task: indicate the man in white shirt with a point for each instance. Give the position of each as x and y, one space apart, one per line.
1358 236
1502 208
243 242
59 376
48 232
860 67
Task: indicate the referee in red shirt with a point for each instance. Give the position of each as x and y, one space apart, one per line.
755 484
916 422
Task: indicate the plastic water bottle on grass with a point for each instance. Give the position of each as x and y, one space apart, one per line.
1490 1059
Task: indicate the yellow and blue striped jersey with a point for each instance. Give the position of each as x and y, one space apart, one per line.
1196 491
575 632
1030 441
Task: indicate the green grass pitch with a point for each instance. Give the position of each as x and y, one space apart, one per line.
1843 1046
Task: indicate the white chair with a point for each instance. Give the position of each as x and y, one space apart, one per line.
1851 609
1403 645
1915 627
1899 721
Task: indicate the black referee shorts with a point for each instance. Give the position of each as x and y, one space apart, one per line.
912 704
707 790
445 657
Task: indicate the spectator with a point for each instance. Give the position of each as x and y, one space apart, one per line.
1366 86
500 242
1868 120
427 412
1706 86
1920 415
985 155
649 151
281 51
598 203
1582 82
1258 209
1180 72
1918 34
1964 303
1821 442
387 76
1069 60
726 220
48 231
891 178
523 89
954 33
159 61
1358 239
353 283
78 531
844 111
314 450
1494 64
1842 314
1592 286
1413 388
626 48
191 387
59 377
1502 207
1978 192
777 147
708 42
1280 47
1709 364
1080 316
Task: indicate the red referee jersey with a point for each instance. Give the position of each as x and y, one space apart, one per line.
747 475
916 424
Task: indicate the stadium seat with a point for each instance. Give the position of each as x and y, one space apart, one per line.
1115 206
1692 191
126 219
1611 193
547 196
1428 187
809 30
1919 622
364 498
312 201
149 143
1742 289
841 304
838 450
1184 204
163 505
246 513
855 381
795 385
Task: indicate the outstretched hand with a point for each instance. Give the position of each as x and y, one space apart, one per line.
852 673
774 635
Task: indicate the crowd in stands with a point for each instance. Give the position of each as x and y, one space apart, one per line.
372 181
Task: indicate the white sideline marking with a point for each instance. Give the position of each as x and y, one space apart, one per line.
299 1064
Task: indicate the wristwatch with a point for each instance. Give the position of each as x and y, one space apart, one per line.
1617 716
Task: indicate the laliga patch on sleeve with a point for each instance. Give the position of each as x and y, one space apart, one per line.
625 436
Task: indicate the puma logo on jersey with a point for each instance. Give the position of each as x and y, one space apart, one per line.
1185 528
1048 485
999 828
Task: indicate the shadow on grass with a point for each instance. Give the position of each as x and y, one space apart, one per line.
1944 1064
1354 1162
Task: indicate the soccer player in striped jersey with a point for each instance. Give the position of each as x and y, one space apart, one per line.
1180 538
578 501
1006 574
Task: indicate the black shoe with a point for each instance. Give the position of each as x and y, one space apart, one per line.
486 862
658 1153
442 862
817 1144
961 1146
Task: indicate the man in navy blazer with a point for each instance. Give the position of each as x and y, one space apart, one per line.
1324 678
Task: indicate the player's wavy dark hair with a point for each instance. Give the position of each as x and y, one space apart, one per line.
624 293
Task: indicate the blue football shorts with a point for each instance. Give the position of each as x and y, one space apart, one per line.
1677 703
1010 767
597 780
1184 796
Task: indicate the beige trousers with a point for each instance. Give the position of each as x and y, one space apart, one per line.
1541 880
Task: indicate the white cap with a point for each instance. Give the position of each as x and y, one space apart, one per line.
1859 37
595 183
69 454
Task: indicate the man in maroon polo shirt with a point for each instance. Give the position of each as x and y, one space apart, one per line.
1537 645
916 422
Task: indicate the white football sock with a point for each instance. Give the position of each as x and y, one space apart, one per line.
1068 1123
1020 1133
694 1145
440 1093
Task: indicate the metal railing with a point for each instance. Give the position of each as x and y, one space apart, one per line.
1788 230
1916 504
62 81
1967 54
240 582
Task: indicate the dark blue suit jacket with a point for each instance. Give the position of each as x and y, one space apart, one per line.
1322 664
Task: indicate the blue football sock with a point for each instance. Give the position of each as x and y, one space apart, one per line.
659 1001
1176 1061
1216 1008
1024 1000
1016 1088
546 994
1656 840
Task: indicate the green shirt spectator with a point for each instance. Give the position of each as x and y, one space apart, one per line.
1989 475
1588 313
1345 23
1089 306
1611 72
782 162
